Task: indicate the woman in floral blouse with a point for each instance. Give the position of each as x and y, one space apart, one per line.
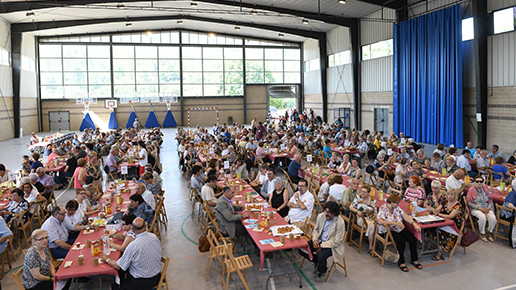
365 208
434 201
450 209
391 215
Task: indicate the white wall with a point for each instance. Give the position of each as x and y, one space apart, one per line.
28 74
312 79
501 51
377 26
6 79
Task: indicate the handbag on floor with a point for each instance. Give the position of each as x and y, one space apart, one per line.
468 238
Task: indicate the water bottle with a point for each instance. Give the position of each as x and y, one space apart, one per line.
414 208
105 242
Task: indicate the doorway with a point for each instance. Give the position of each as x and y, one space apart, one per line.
281 99
381 120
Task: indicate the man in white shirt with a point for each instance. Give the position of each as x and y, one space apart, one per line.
268 184
337 189
455 180
147 195
301 204
207 191
463 162
483 162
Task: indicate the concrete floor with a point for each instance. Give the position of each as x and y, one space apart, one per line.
485 266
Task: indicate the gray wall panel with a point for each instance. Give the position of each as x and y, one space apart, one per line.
377 75
340 79
374 28
338 40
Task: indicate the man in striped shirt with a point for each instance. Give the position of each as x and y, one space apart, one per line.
141 260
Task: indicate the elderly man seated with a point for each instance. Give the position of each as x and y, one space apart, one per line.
227 217
46 180
455 180
463 162
301 204
58 240
326 239
141 259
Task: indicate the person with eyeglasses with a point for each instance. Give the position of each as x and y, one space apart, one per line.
434 200
268 184
59 240
38 272
301 204
480 202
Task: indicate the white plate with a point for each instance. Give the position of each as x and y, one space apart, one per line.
295 231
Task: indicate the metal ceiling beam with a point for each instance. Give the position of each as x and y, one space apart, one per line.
35 26
9 7
393 4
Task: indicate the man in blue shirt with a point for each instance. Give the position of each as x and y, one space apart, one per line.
141 258
59 241
5 235
294 167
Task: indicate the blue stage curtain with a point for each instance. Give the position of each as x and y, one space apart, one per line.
427 88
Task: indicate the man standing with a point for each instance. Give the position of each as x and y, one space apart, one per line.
327 239
294 167
227 218
141 258
58 240
46 180
301 204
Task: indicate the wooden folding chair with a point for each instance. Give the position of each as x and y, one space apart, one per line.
457 243
373 181
16 277
470 219
154 226
217 250
334 265
161 211
294 187
5 257
307 228
385 241
397 191
360 229
163 282
237 264
500 221
385 181
347 222
23 226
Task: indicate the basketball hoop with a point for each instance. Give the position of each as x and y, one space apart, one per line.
168 99
86 100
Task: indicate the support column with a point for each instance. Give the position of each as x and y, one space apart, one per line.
323 60
16 40
481 23
356 58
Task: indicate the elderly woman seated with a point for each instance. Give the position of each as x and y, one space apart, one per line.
279 197
481 205
392 216
38 272
365 208
451 209
435 199
17 205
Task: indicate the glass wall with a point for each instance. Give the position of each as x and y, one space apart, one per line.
151 63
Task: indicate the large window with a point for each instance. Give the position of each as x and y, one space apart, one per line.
339 58
5 57
468 29
162 62
377 49
504 20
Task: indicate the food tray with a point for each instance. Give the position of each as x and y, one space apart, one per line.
295 230
254 206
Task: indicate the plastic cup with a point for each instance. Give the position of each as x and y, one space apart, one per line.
282 239
80 260
88 243
97 228
291 237
78 244
95 261
259 226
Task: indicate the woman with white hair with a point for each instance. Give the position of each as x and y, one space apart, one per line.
279 197
434 200
38 272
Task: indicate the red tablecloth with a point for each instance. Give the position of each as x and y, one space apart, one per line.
344 151
58 168
87 269
273 156
265 234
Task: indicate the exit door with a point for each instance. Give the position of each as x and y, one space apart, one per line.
59 120
381 120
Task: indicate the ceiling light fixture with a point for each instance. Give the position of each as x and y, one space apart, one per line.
254 12
281 35
211 34
342 1
305 21
128 24
148 32
30 13
193 4
180 22
120 6
237 27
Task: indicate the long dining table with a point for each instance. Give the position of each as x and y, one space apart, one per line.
88 268
264 239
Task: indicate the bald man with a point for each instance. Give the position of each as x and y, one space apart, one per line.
141 260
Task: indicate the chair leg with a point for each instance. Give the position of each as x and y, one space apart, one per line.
208 269
331 272
243 279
